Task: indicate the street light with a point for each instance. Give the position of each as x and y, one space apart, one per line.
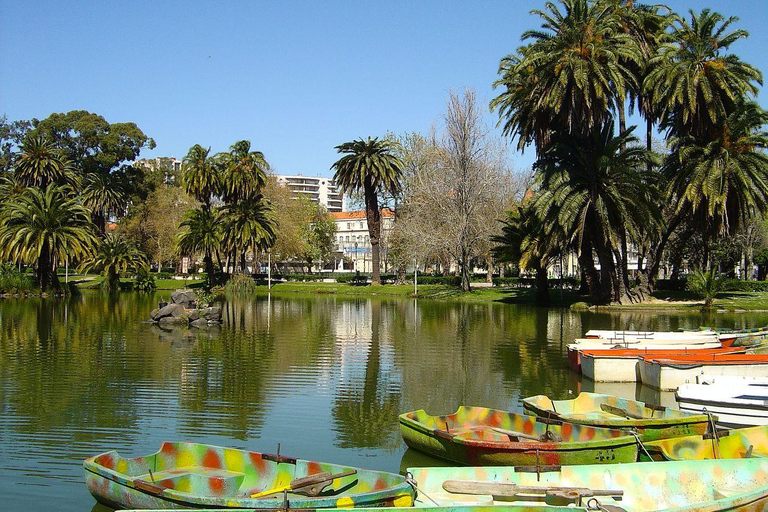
356 256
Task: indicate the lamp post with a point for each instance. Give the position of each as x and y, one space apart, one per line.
269 269
356 269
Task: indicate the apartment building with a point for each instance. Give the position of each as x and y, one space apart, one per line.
318 189
353 240
169 165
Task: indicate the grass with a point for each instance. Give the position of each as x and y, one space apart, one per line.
94 281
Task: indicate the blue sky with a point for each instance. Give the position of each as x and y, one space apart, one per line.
294 77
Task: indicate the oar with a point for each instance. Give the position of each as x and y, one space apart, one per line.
618 411
504 489
310 485
512 433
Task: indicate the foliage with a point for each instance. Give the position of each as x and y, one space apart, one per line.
115 254
244 172
203 235
248 223
40 164
144 280
240 284
201 175
321 236
707 284
13 281
11 136
44 227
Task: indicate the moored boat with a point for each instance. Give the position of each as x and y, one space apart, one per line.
479 436
452 508
578 346
733 485
667 373
737 401
606 411
184 475
649 335
620 365
728 444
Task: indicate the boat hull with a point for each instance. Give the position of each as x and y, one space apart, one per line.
670 373
479 436
651 422
730 444
736 404
189 475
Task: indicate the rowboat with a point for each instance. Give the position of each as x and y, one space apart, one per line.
606 411
481 437
732 485
578 346
650 335
453 508
184 475
736 401
728 444
670 372
620 365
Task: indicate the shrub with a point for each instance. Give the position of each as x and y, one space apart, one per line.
240 284
163 275
357 279
706 284
737 285
13 281
301 277
145 281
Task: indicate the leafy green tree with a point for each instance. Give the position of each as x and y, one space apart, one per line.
248 224
204 234
11 136
103 194
369 166
116 254
42 227
321 236
696 84
707 284
40 164
244 172
201 175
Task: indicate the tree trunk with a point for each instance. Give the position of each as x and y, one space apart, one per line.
542 286
208 263
464 268
489 275
373 216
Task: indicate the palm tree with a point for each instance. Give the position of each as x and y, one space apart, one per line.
594 191
43 227
724 180
114 255
40 163
248 224
707 284
201 175
694 82
371 166
103 194
244 172
203 235
572 75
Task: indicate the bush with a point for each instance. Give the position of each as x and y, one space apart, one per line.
13 281
164 275
240 284
357 279
737 285
671 285
301 277
447 280
144 281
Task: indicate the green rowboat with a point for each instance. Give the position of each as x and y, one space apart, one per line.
188 475
478 436
606 411
727 485
730 444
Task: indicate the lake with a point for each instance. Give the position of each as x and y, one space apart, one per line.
324 376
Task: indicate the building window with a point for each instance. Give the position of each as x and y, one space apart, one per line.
361 225
347 238
349 226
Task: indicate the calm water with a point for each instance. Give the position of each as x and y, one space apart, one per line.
323 376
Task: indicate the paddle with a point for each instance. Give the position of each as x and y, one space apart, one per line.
512 433
618 411
311 485
510 490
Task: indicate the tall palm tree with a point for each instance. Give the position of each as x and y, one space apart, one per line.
40 163
248 224
201 175
724 180
43 227
694 81
203 235
244 172
103 194
593 189
573 74
115 254
369 165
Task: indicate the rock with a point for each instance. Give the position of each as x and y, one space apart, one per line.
153 314
200 322
172 320
175 310
212 314
193 315
185 297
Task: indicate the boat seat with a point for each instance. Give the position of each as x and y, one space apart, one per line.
198 480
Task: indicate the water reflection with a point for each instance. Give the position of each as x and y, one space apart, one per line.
324 376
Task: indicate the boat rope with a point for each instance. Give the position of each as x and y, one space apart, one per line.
410 481
641 445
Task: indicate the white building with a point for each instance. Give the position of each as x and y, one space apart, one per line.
169 165
318 189
354 242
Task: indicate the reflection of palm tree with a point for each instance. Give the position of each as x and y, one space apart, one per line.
367 420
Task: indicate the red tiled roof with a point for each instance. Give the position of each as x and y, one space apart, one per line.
359 214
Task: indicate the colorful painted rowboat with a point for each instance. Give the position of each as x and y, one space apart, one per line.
481 437
620 365
473 508
726 485
730 444
606 411
670 372
184 475
737 401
